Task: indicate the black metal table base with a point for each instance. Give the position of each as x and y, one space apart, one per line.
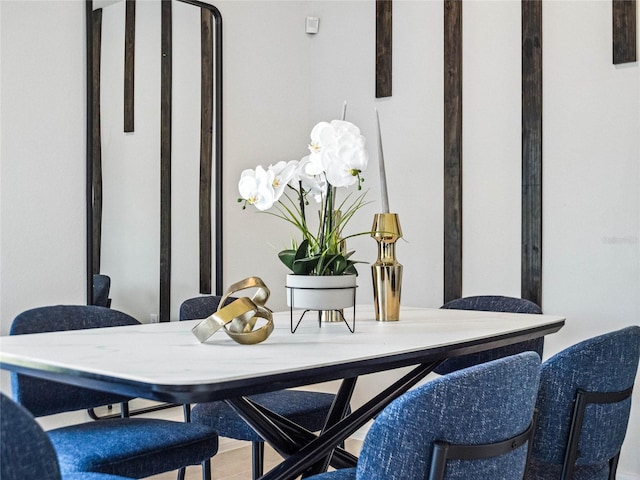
306 453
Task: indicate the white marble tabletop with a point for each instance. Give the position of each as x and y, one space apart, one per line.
166 362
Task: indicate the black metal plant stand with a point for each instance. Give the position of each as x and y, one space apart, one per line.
351 327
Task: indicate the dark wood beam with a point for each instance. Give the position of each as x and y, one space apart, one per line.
88 190
96 171
129 63
531 255
452 149
206 147
624 31
384 51
165 162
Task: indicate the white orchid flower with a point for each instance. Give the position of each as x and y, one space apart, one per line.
337 157
283 172
337 149
256 187
314 185
344 166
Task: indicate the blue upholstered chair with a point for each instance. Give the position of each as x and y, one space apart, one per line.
475 423
128 447
27 452
583 408
309 409
492 303
101 288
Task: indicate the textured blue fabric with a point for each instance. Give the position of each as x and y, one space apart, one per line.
487 403
25 450
101 287
606 363
492 303
201 307
309 409
26 453
42 397
91 476
546 471
139 447
131 447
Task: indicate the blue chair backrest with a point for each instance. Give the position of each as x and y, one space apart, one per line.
483 404
606 363
26 452
201 307
43 397
492 303
101 288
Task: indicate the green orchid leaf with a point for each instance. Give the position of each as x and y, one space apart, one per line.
340 264
351 270
287 257
303 250
305 266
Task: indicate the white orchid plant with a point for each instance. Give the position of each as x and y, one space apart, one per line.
337 159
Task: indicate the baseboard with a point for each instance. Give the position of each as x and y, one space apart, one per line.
627 476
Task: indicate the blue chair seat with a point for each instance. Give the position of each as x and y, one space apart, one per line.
26 450
308 409
92 476
131 445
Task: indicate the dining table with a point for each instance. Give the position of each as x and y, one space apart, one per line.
167 363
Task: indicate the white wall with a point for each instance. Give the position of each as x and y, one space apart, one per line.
279 81
43 148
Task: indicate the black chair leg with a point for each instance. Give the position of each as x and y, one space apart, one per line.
206 470
257 458
181 473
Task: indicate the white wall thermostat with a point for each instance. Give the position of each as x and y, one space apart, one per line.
312 24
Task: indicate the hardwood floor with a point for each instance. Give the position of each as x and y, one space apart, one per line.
236 464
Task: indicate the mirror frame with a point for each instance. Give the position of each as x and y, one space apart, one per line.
165 233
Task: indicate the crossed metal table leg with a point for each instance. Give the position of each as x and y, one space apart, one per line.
305 452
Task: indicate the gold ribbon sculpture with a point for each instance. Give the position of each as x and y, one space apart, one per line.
239 317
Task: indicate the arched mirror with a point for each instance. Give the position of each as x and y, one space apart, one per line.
154 153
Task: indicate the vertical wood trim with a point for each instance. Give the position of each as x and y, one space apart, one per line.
531 286
624 31
206 147
129 63
96 171
384 51
165 163
219 255
452 149
88 191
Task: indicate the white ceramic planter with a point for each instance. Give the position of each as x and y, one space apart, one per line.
312 292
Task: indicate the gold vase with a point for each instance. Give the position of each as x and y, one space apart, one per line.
386 272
